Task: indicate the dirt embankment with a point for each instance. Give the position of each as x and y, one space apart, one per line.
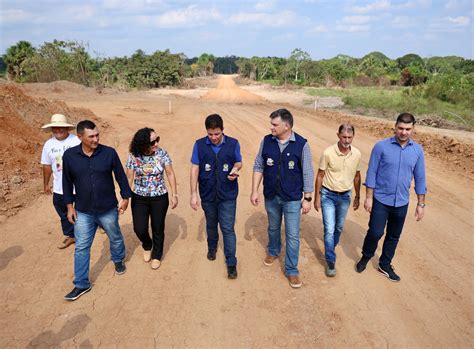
21 142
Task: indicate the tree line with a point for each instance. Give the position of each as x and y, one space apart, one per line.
448 78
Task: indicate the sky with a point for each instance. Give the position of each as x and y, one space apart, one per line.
322 28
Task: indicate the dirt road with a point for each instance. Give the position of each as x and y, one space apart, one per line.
189 302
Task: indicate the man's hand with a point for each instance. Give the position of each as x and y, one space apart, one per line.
368 204
122 206
317 203
174 201
194 202
306 206
254 198
47 190
419 213
356 203
71 215
234 173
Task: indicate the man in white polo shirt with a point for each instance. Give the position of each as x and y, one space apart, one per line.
338 174
52 161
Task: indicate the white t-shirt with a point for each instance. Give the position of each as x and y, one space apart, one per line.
52 155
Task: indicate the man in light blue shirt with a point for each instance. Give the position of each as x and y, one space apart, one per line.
394 162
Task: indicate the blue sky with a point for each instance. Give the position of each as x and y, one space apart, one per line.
323 28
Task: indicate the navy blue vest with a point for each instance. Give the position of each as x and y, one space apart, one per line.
283 172
214 169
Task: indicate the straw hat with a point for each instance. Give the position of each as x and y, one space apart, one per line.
58 120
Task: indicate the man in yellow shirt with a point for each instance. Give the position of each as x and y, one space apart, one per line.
338 174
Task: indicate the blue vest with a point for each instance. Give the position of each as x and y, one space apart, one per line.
214 169
283 172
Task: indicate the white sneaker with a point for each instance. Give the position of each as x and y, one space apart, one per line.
155 264
147 256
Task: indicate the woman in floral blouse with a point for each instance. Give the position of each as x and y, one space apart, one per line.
146 165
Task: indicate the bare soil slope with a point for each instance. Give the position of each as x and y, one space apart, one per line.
189 302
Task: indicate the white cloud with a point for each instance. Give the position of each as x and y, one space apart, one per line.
355 28
264 5
379 5
280 19
130 4
355 20
403 22
15 16
460 21
191 16
79 13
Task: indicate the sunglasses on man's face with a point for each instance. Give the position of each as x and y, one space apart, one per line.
155 141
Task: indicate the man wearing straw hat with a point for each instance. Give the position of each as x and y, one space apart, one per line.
52 161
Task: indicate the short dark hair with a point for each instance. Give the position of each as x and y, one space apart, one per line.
284 114
406 118
82 125
347 128
141 141
214 121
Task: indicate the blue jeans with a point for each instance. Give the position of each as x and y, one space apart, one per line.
381 215
222 212
84 231
291 210
334 207
61 209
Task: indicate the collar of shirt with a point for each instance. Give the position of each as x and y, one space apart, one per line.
291 139
208 141
94 153
394 140
339 153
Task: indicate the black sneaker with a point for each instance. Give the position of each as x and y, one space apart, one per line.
232 272
120 268
388 272
330 269
76 293
362 264
211 254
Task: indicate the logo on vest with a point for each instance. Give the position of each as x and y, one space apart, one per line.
225 168
269 162
291 165
207 167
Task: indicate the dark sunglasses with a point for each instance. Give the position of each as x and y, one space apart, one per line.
155 141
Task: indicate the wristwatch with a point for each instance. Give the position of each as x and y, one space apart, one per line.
421 205
308 199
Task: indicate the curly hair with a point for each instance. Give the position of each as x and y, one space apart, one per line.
141 141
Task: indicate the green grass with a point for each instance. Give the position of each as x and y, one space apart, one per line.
396 100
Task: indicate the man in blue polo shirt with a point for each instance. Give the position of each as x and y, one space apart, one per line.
88 168
216 161
394 162
284 162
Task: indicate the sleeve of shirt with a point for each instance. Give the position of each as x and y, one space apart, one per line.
308 171
419 174
68 185
195 156
237 154
120 177
165 158
323 161
130 162
45 160
258 165
374 162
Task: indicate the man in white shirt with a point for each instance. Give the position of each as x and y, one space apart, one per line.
52 161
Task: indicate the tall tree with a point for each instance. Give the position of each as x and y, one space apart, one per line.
297 57
15 57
